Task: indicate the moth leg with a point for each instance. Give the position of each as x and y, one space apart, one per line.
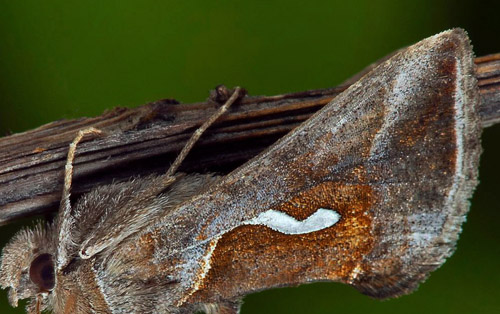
64 219
197 134
229 308
135 214
221 308
38 304
68 171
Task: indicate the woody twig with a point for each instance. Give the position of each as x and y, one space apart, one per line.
147 139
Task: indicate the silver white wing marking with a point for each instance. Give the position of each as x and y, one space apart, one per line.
281 222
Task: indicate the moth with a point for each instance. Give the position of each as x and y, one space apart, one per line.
370 191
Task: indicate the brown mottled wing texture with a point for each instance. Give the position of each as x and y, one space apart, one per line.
395 155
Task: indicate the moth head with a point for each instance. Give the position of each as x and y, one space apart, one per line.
27 266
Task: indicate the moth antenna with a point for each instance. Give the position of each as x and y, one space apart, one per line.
197 134
64 219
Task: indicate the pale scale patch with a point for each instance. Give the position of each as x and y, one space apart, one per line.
205 266
281 222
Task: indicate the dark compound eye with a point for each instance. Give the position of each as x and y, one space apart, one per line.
42 272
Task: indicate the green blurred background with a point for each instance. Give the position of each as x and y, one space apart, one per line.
66 59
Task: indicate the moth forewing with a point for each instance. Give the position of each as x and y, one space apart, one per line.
395 156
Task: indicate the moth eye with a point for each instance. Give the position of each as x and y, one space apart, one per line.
42 272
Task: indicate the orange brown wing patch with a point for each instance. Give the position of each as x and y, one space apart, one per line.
258 257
